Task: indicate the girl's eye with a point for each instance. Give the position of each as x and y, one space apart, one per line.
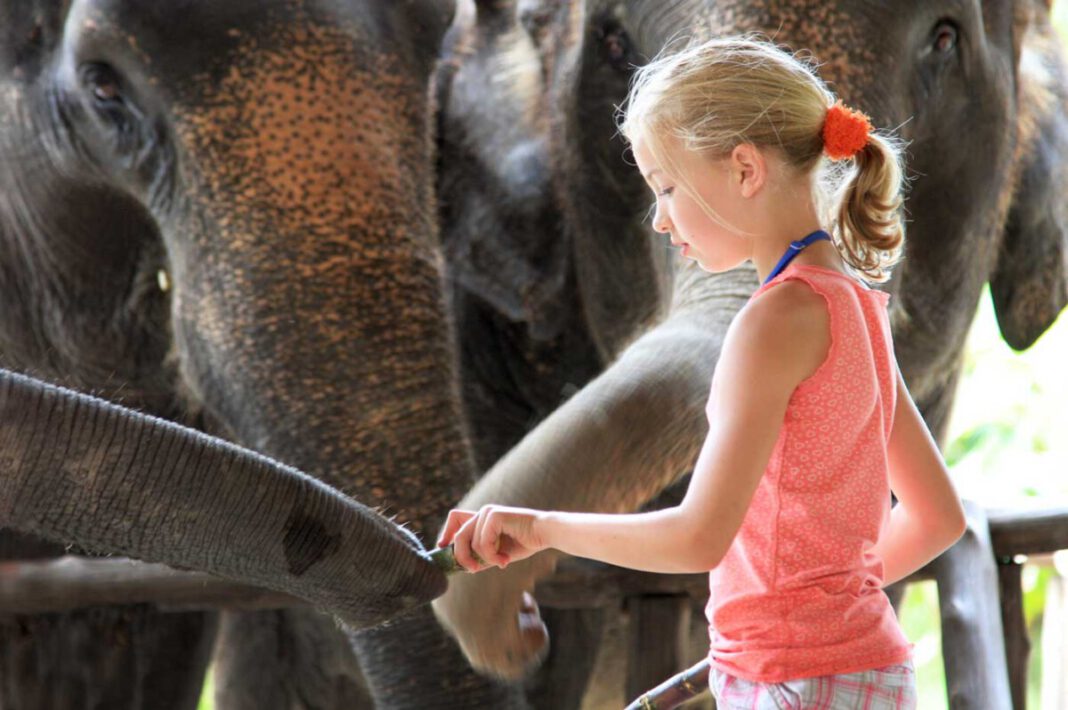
666 192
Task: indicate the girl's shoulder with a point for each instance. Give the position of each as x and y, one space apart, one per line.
785 303
786 326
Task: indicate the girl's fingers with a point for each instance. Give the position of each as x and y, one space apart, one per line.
478 539
491 541
462 547
477 536
453 523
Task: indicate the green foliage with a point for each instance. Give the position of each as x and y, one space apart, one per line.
919 617
1005 441
988 436
1035 581
207 695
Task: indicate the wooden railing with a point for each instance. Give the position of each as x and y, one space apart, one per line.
659 605
1016 534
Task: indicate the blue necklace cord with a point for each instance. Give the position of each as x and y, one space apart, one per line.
794 249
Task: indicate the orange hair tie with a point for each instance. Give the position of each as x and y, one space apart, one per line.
845 132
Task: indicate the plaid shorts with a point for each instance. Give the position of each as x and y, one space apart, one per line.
887 688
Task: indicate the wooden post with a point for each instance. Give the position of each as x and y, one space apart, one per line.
659 626
973 641
70 582
1017 642
1054 644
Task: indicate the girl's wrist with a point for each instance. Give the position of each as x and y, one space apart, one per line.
544 527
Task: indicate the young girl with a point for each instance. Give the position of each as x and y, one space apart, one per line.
810 424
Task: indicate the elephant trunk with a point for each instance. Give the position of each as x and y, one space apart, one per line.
599 452
308 305
78 469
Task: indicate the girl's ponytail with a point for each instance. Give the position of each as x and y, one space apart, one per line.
869 225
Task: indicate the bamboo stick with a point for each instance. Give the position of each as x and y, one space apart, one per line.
676 690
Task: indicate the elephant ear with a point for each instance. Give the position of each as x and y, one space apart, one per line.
1030 284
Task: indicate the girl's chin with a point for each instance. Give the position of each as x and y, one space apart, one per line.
710 267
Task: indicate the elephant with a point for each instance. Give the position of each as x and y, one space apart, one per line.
224 215
591 290
977 91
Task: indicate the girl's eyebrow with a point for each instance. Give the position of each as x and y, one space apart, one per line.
651 173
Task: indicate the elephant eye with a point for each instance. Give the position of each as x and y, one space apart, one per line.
944 37
103 82
107 95
615 45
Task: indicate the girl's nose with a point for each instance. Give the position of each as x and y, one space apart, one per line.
660 222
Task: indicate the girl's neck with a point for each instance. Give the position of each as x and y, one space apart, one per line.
789 216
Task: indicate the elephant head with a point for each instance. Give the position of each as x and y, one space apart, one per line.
976 89
225 213
267 146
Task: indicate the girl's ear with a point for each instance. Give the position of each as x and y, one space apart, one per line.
748 168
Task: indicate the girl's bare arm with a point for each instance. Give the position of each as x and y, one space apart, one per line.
928 517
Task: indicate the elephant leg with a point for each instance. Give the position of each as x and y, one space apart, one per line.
411 664
105 658
286 660
575 637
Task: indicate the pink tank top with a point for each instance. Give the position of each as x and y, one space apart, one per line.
798 593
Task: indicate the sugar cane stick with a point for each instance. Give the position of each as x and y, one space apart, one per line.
445 559
676 690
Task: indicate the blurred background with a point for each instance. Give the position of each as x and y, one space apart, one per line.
1008 448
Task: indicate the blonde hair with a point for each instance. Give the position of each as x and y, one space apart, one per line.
713 96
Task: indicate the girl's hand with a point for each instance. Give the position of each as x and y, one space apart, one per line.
494 536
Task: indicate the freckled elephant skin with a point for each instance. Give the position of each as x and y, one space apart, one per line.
979 200
274 160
